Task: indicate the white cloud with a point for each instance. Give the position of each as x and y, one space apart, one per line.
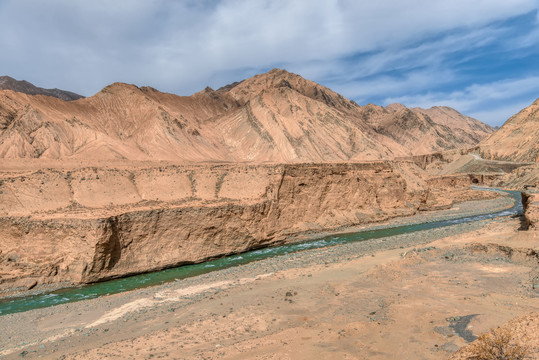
424 66
182 46
177 45
381 86
497 115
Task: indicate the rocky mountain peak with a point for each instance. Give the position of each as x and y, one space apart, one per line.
282 79
516 139
395 107
119 87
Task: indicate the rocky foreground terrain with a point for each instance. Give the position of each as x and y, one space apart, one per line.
414 296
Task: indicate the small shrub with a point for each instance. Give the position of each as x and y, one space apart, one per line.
497 344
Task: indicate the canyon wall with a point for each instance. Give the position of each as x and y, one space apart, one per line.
530 201
90 224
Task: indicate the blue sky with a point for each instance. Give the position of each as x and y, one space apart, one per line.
480 57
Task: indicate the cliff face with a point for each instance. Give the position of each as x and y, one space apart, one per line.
517 139
275 117
89 224
530 202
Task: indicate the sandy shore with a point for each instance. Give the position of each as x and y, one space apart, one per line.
419 296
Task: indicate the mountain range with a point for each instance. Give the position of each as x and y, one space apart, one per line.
273 117
8 83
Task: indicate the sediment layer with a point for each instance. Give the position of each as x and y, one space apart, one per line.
90 224
530 201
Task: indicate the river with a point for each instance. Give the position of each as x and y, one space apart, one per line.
14 305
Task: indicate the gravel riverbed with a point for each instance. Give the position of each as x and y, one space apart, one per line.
15 335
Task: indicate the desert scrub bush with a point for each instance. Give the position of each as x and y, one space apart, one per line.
497 344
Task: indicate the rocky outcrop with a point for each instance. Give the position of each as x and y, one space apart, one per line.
90 224
530 201
423 161
524 178
464 180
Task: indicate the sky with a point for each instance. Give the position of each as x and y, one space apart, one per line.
480 57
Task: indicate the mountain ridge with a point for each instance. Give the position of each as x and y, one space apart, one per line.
272 117
517 139
9 83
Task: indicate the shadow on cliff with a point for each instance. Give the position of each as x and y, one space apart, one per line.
108 251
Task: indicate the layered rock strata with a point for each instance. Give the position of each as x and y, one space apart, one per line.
530 201
89 224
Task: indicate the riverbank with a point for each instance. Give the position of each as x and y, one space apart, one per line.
405 294
499 201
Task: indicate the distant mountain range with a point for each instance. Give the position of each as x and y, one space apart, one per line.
273 117
8 83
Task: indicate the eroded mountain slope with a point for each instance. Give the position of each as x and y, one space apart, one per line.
517 139
277 116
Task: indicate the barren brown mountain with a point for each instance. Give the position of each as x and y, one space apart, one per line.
133 180
277 117
8 83
517 139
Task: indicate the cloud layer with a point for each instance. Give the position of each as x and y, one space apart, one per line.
476 56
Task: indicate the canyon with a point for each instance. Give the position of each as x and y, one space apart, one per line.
118 183
133 180
88 224
420 295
